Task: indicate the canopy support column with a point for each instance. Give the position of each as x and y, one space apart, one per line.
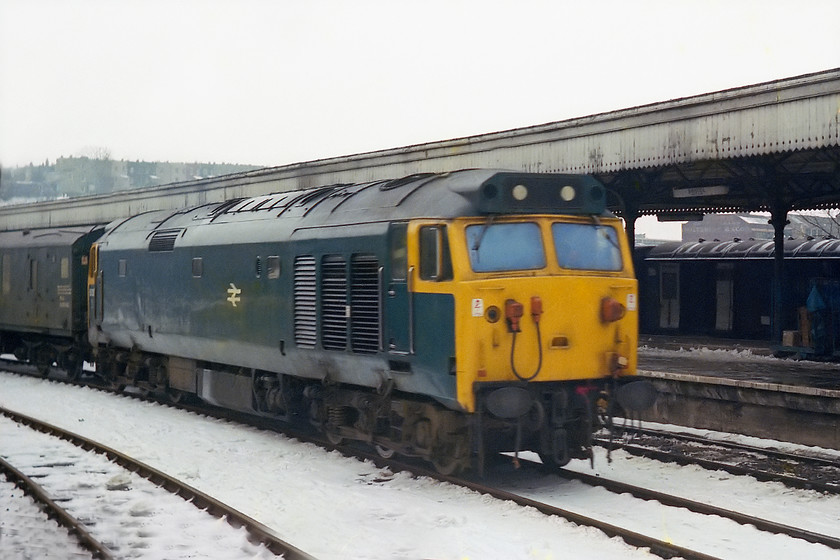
778 219
630 227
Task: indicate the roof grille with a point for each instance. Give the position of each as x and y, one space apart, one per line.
164 240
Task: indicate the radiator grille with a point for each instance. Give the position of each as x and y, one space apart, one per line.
364 298
305 308
334 302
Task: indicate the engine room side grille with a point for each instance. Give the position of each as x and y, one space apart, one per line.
364 304
334 302
164 240
305 307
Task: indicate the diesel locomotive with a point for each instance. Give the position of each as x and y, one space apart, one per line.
440 316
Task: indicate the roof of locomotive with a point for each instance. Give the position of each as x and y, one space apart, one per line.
47 237
365 206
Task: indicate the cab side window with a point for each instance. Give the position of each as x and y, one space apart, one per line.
435 260
399 252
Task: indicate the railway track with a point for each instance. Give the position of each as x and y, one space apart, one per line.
794 470
77 482
661 548
53 511
702 508
664 548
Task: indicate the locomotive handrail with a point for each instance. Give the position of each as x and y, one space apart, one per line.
410 283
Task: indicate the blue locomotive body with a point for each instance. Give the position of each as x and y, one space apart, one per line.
386 312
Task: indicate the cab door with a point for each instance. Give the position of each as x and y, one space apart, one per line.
724 289
398 308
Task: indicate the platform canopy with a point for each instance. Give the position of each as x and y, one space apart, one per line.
773 146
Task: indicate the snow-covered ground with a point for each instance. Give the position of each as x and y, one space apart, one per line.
27 532
131 516
335 507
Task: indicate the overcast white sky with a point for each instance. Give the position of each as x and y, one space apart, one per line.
269 82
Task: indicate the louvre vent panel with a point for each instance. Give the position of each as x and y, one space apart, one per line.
164 240
305 302
365 304
334 302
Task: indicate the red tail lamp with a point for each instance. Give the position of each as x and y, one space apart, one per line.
611 310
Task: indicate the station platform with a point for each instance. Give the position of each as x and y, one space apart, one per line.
741 360
739 386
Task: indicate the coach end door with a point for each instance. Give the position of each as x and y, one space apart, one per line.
669 296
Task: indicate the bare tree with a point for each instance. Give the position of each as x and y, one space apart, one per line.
826 221
102 174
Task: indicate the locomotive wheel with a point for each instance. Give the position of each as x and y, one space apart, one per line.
446 465
43 369
21 353
333 438
74 370
448 457
384 452
550 462
43 358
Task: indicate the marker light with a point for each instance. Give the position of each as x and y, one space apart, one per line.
567 193
611 310
520 192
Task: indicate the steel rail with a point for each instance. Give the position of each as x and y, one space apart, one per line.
775 453
658 547
258 533
710 464
702 508
55 511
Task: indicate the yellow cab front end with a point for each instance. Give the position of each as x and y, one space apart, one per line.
546 327
550 323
